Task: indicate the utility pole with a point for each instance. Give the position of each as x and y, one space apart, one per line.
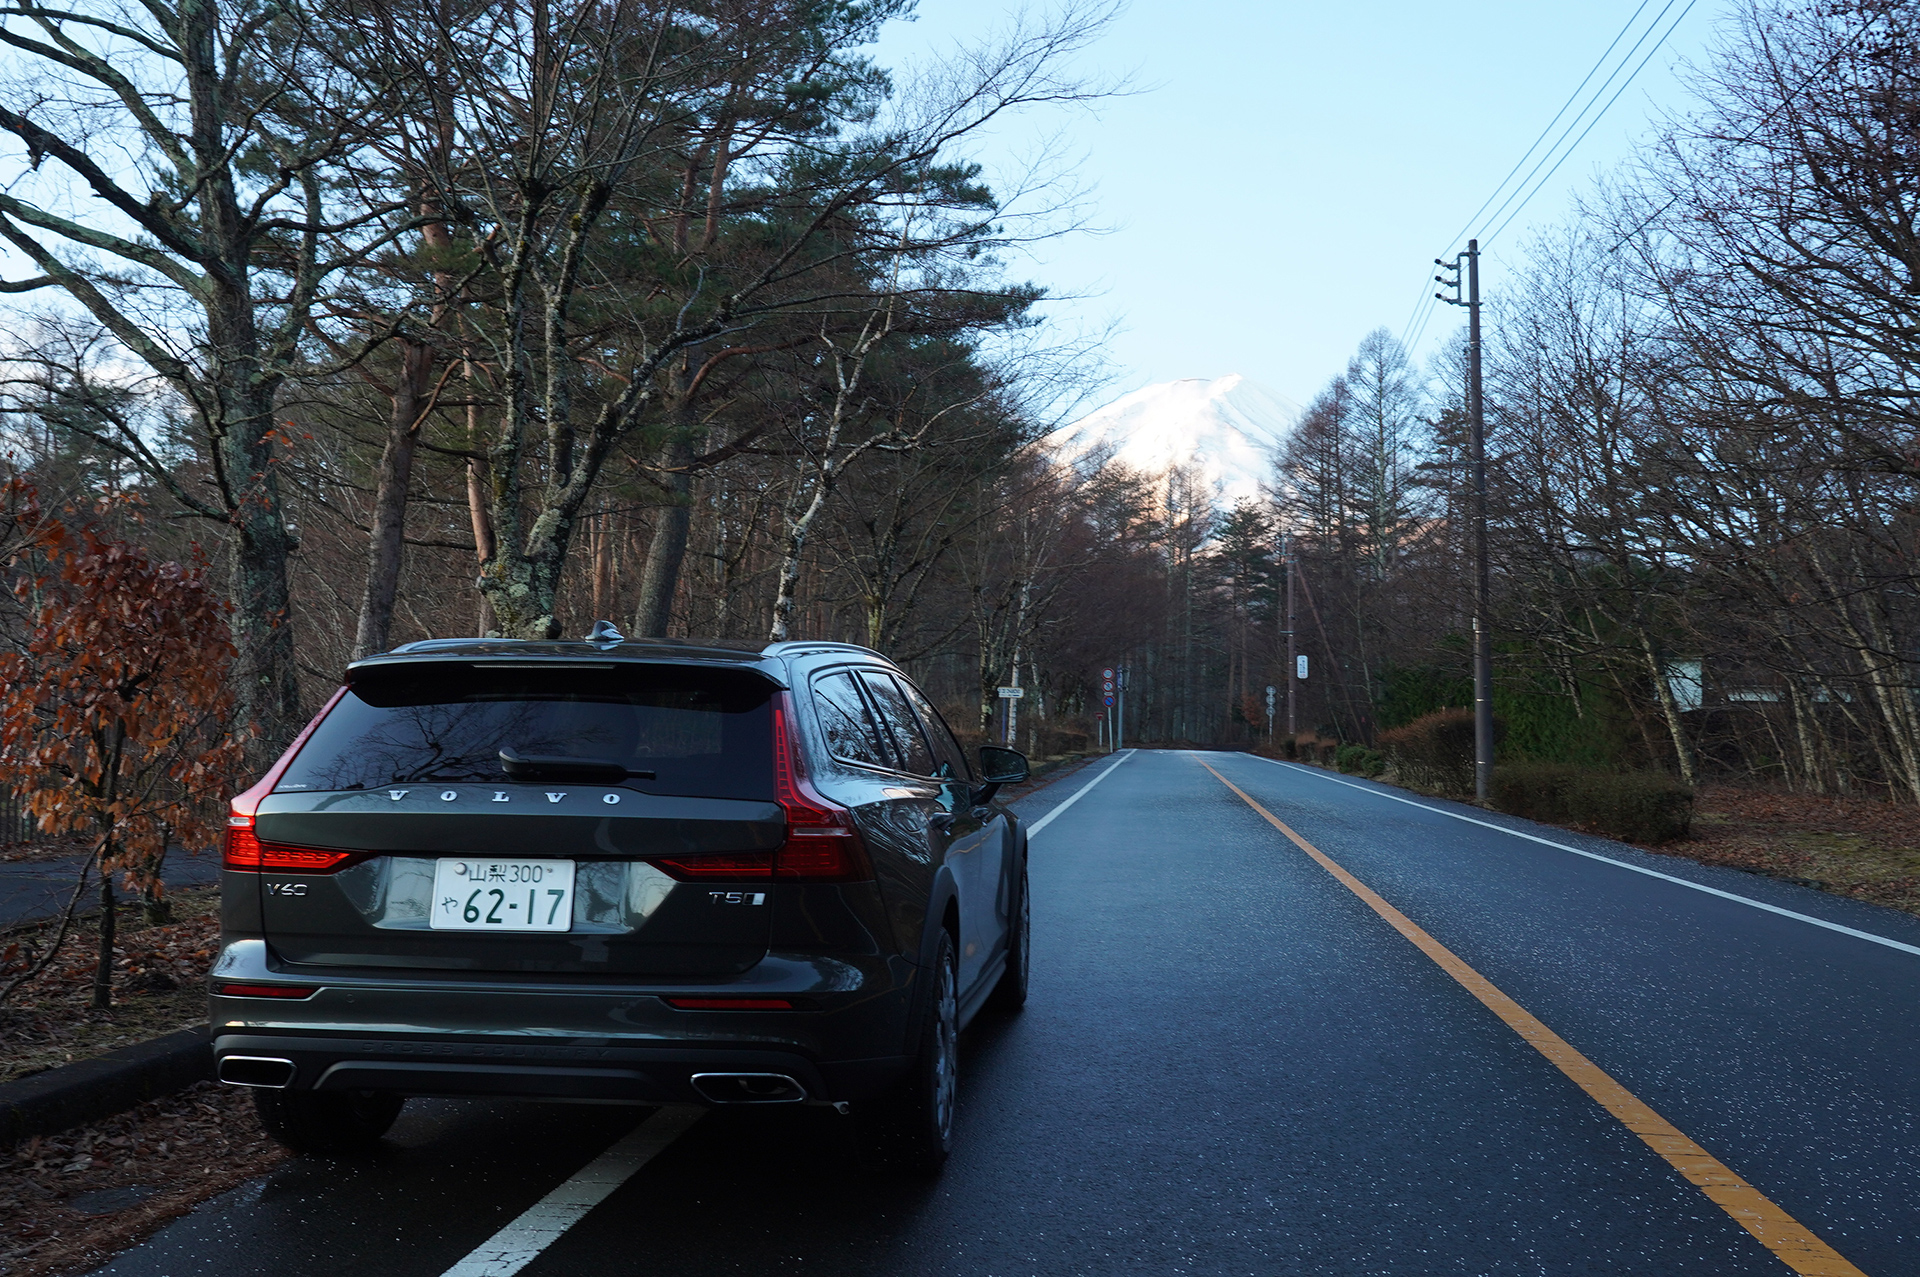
1287 559
1013 706
1477 462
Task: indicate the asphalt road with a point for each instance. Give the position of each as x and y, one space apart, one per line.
34 889
1232 1064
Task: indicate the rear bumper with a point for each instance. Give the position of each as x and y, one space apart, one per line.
546 1070
564 1039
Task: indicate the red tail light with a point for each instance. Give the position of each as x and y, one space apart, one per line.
246 851
730 1004
267 991
244 848
822 844
752 866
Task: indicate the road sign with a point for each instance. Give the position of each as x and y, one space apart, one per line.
1107 674
1269 699
1300 665
1012 693
1109 700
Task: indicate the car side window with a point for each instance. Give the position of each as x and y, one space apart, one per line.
851 731
915 754
945 747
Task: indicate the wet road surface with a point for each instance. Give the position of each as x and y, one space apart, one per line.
1232 1064
34 889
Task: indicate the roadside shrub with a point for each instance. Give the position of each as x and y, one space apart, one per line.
1435 751
1289 748
1055 740
1648 807
1358 760
1537 791
1311 747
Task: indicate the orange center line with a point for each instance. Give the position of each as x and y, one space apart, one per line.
1779 1232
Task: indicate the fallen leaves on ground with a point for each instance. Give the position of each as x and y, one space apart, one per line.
159 985
1865 848
186 1148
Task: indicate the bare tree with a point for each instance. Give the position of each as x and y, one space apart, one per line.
205 259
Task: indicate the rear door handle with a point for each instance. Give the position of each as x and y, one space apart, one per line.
942 821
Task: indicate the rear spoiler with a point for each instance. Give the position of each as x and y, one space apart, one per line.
506 654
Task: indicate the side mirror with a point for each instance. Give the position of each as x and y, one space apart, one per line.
999 766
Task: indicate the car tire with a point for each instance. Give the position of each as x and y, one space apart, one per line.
911 1128
1010 994
327 1123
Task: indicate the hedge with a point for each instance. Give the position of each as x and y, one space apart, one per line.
1648 807
1358 760
1435 751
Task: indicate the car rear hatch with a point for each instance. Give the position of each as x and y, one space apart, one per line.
531 817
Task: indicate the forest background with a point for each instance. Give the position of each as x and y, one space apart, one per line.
430 319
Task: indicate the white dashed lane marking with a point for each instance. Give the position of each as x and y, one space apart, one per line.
547 1220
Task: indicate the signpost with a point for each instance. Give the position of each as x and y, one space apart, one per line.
1269 711
1106 700
1011 696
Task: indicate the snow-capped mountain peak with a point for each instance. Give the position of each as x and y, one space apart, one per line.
1227 428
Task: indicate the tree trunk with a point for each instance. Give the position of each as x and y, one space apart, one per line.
1670 709
600 538
661 577
792 547
266 688
1803 728
477 483
155 909
668 549
386 543
103 968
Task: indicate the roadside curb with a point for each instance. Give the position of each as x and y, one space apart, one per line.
107 1084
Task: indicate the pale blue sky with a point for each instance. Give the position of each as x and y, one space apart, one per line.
1282 189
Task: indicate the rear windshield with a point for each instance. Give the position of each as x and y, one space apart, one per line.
701 732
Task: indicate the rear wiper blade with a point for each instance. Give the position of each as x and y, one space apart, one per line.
520 766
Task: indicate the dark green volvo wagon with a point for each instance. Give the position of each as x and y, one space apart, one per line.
659 872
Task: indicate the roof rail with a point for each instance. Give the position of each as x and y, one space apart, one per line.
793 647
434 645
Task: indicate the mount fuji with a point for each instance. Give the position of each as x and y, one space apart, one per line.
1227 428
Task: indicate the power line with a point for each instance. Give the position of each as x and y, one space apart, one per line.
1581 115
1489 238
1422 308
1578 89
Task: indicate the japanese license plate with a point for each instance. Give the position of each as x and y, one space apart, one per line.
502 895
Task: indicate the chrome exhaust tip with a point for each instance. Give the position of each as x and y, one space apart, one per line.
748 1088
264 1071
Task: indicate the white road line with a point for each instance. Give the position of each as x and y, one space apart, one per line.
542 1224
1047 819
1594 855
